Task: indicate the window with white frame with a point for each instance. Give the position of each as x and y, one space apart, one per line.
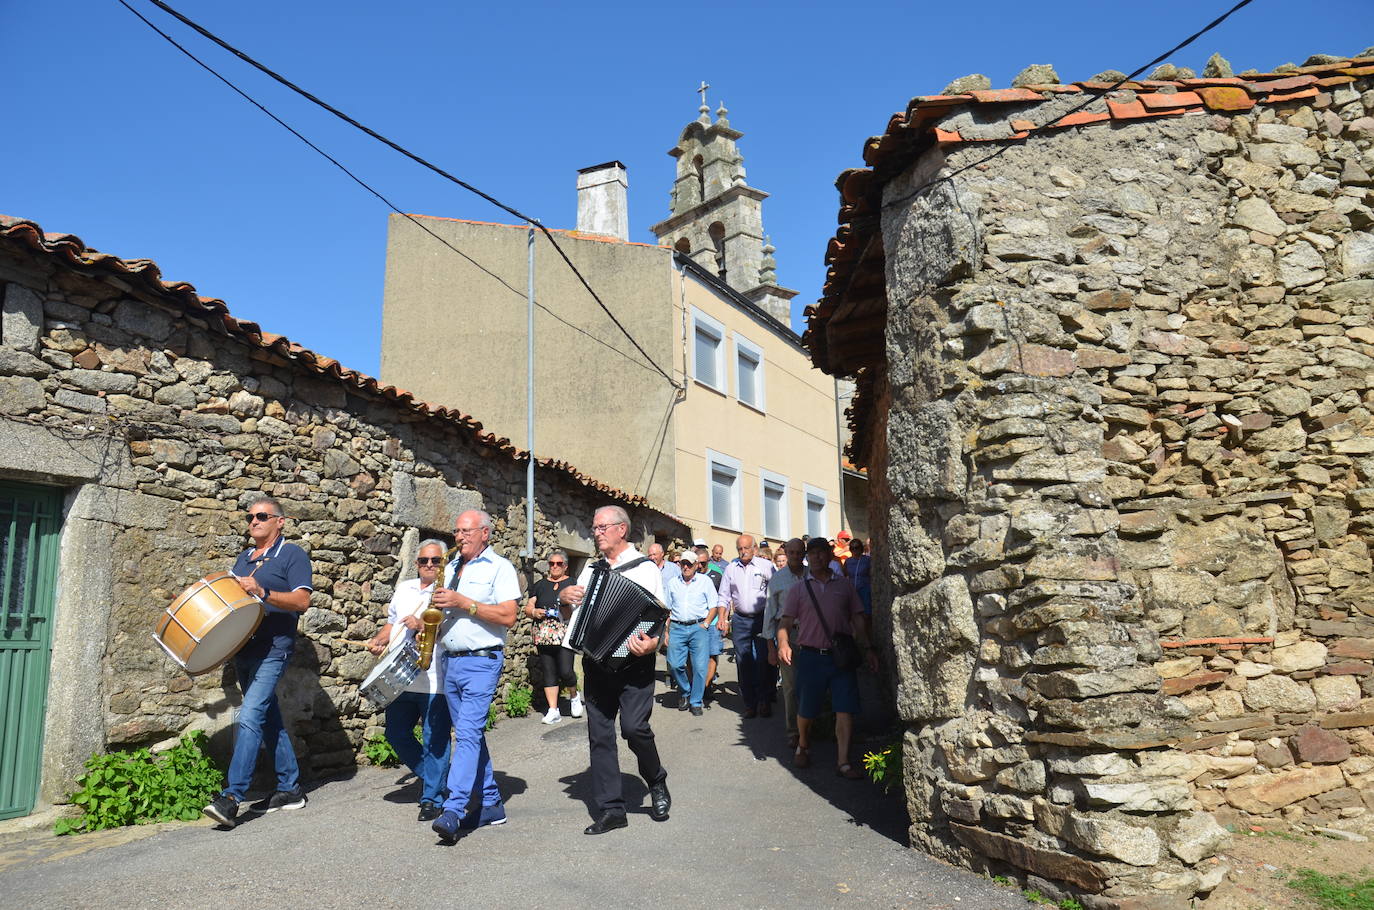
815 512
775 524
748 373
708 351
723 490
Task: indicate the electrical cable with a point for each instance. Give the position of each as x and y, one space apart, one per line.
267 71
386 201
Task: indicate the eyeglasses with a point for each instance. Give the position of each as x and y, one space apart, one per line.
557 562
467 530
602 529
429 561
261 516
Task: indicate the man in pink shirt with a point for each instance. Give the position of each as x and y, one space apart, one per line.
803 642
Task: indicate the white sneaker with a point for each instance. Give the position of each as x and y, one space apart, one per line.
577 704
552 716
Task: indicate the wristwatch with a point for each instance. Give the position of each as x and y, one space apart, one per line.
472 608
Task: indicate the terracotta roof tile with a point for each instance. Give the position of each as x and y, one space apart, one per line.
1161 100
144 276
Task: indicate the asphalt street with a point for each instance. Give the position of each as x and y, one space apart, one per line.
746 830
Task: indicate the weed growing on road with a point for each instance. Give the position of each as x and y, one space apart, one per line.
518 699
138 787
885 767
492 716
1335 892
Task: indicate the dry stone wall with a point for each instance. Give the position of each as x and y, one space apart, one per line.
1128 461
178 427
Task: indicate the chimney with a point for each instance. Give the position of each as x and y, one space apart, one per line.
602 207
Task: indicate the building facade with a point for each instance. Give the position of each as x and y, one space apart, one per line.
696 394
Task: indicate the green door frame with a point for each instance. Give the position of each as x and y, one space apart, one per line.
30 529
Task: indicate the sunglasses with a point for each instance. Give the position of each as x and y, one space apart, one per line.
557 562
429 561
261 516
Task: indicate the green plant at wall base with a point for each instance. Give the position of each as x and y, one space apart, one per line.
1335 892
378 751
885 767
138 787
492 716
518 700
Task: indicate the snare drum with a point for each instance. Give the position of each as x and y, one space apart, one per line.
208 623
395 671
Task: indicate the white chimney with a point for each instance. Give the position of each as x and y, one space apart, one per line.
602 207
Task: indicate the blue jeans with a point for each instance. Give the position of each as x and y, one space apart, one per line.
686 641
429 759
469 684
756 674
259 724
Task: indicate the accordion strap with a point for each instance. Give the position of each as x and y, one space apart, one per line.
631 564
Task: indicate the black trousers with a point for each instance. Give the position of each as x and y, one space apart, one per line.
556 665
628 692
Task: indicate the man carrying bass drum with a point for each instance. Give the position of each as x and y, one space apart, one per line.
279 574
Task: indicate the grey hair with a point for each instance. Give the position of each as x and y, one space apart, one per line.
263 499
484 519
621 516
431 542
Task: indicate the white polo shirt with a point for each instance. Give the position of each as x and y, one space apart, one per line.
487 578
647 575
411 600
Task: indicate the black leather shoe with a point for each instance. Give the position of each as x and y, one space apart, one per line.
429 812
608 822
659 801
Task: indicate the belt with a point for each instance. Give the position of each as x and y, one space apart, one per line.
689 622
814 650
491 653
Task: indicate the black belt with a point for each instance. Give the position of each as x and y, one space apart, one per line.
481 652
689 622
814 650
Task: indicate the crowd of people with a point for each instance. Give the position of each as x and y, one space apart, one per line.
792 618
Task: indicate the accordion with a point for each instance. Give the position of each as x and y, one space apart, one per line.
613 610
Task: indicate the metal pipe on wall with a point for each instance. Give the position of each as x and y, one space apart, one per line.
529 406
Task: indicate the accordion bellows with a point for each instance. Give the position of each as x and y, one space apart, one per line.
613 610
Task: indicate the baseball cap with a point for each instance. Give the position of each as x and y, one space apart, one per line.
698 542
687 556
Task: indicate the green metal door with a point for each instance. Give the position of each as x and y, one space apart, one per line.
30 521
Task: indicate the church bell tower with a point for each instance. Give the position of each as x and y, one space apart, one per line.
717 218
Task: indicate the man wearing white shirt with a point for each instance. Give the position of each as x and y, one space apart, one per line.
423 701
628 691
479 605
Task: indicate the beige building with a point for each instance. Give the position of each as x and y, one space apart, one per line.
696 395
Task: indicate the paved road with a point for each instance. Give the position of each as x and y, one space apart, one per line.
746 831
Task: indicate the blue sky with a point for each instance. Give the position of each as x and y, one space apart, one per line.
113 135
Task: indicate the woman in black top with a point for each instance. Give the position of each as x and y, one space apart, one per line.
550 625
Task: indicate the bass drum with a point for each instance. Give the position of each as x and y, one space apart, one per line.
395 671
208 623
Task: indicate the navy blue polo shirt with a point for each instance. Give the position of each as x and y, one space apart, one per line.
283 567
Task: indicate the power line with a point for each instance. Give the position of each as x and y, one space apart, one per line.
385 200
409 154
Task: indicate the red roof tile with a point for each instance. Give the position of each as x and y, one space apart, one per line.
144 275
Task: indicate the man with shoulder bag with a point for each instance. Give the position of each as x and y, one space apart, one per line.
816 638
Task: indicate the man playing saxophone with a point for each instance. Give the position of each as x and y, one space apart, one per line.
479 603
423 701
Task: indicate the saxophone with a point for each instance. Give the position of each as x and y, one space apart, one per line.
431 617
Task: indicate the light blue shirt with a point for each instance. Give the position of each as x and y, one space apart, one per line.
690 601
487 578
670 571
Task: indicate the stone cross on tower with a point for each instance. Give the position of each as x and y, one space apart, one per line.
701 90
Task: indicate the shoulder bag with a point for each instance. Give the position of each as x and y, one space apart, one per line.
844 650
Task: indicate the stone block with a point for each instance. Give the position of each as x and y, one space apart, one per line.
1335 693
1305 655
20 395
1269 793
935 644
1320 747
1138 796
22 318
429 503
1196 837
1273 753
927 447
1051 864
1278 693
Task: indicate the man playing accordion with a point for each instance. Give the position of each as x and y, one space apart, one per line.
625 688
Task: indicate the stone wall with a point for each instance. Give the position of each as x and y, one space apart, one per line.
162 426
1122 487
